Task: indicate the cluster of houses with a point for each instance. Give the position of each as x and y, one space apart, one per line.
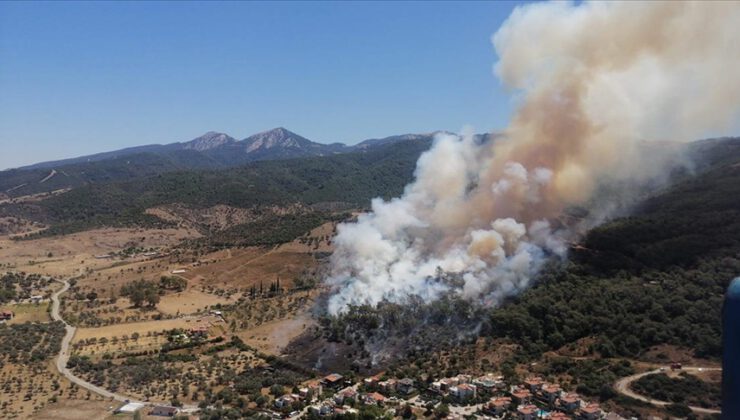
533 399
309 393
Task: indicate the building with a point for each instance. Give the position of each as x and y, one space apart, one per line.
311 392
200 331
534 384
370 383
557 415
388 386
463 392
286 400
498 405
527 412
406 386
6 315
550 393
489 382
373 398
129 408
321 410
341 396
163 410
332 381
591 412
521 396
730 349
569 402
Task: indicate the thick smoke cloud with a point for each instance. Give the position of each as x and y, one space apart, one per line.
594 83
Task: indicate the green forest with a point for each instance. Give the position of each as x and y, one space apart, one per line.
344 181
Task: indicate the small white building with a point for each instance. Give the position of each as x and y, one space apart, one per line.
129 408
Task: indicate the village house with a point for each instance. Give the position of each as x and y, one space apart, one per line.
557 415
527 412
498 405
388 386
286 400
370 383
591 411
6 315
321 410
333 381
163 411
200 331
443 385
521 396
534 384
373 398
463 392
489 382
406 386
550 393
345 410
341 396
311 392
569 402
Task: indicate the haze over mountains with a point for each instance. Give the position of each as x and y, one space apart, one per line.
212 150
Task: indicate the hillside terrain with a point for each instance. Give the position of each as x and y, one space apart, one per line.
319 184
203 288
645 287
209 151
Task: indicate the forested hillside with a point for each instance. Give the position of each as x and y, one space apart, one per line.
657 277
346 181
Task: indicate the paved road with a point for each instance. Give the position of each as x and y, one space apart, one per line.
623 386
64 353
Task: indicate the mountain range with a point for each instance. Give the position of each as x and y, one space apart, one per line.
212 150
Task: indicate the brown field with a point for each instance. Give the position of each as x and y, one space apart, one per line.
72 254
248 267
190 301
28 312
274 336
80 409
143 328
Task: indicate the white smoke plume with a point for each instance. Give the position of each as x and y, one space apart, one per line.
594 81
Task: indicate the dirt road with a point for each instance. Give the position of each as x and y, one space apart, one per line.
64 351
63 357
623 387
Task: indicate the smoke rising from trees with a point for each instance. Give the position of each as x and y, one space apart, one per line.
594 83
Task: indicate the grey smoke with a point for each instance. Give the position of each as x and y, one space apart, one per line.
596 81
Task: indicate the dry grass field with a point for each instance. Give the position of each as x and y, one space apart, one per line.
246 267
28 312
75 409
143 328
73 254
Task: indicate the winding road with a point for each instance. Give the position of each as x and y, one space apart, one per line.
64 354
623 387
64 351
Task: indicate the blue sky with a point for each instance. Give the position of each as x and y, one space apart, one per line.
79 78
